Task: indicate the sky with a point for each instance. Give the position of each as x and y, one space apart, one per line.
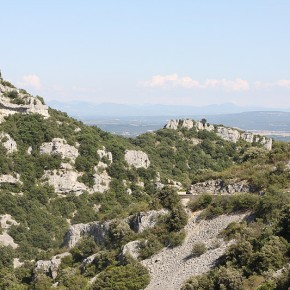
179 52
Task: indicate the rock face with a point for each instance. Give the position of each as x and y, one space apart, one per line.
234 135
218 186
101 177
77 231
188 124
8 142
29 104
60 146
138 223
50 267
102 180
170 268
145 220
65 180
228 134
137 159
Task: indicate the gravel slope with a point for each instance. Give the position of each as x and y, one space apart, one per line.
170 268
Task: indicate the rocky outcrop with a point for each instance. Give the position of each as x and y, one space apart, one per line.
102 180
6 221
218 186
60 146
131 249
64 180
188 124
101 177
138 223
233 135
50 267
145 220
171 267
7 178
27 103
94 229
228 134
103 153
137 159
8 143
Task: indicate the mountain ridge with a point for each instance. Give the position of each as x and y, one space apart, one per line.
73 198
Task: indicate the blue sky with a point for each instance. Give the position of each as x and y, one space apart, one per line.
168 52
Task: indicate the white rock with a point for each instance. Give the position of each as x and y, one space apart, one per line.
60 146
132 249
77 231
17 263
65 180
137 159
50 267
104 153
29 150
7 240
228 134
146 220
172 124
6 221
102 180
32 105
8 142
7 178
188 124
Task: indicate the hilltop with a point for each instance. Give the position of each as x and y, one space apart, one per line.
81 208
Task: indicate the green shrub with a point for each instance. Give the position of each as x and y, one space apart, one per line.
198 249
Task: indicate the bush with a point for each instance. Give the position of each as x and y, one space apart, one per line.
198 249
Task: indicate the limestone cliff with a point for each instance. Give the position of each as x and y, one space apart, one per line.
13 100
228 134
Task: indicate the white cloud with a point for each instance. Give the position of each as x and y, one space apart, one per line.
31 81
173 81
228 85
283 83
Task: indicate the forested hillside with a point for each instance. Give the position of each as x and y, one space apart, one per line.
81 208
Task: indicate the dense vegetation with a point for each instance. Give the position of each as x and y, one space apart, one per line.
261 244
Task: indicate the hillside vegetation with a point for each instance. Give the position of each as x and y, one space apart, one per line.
73 198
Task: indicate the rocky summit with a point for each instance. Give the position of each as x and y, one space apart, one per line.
192 205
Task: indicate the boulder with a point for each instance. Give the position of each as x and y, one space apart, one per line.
131 249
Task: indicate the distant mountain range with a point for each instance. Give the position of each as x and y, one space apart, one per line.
87 110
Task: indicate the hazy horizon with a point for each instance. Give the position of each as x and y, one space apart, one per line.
167 52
